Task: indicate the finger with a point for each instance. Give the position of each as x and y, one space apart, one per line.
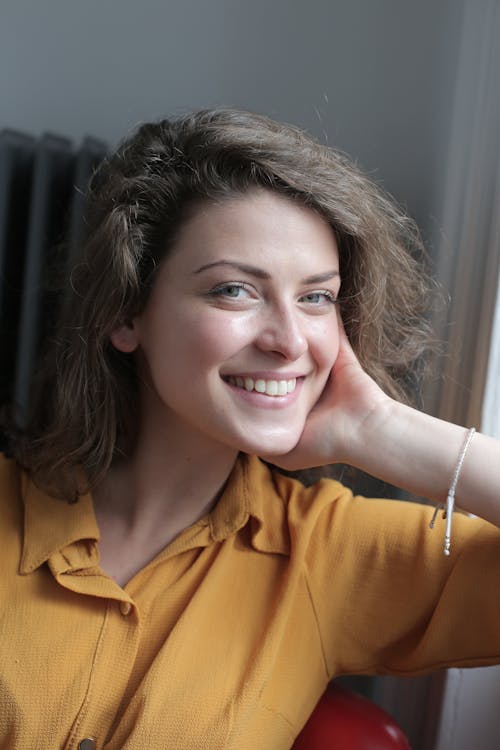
346 352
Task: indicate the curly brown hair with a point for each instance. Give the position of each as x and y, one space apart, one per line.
136 203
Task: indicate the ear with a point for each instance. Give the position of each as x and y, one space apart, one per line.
125 338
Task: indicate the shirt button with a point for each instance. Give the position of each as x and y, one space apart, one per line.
125 608
88 743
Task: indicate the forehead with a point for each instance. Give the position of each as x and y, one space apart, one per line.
261 226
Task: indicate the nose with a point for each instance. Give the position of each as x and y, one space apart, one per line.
282 333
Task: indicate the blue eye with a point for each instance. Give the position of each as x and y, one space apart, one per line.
231 290
319 298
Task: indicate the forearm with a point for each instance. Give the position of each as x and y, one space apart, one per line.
419 453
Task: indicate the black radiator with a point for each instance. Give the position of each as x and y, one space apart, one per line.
41 194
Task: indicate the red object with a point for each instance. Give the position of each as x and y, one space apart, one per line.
343 720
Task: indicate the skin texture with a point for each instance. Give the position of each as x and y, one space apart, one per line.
237 299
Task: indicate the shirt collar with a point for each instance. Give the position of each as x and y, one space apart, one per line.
51 525
233 507
250 494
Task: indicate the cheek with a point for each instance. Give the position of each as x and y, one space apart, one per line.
211 337
325 338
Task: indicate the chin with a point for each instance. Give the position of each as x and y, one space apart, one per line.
278 445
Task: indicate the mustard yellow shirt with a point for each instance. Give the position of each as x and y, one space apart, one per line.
229 636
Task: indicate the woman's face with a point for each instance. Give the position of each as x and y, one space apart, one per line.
240 332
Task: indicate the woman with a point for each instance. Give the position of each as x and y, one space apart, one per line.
242 292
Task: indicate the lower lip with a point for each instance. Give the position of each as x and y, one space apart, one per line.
262 401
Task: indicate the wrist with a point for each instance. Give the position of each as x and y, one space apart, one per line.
370 427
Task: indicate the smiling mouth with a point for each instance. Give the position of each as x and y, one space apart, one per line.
269 387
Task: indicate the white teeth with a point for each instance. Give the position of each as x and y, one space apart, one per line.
269 387
282 389
272 387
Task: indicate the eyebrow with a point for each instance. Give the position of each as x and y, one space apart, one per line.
260 274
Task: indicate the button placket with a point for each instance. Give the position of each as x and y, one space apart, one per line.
117 651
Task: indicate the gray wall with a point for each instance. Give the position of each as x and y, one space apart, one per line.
374 78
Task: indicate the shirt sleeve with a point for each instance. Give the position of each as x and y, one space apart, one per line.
386 598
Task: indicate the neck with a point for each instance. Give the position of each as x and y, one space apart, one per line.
173 476
172 479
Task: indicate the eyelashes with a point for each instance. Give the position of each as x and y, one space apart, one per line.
314 298
239 291
231 290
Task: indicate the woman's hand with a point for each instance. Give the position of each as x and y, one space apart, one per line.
338 421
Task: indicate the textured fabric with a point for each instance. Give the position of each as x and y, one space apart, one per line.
230 635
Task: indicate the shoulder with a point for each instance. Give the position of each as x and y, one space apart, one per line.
284 508
328 501
328 519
